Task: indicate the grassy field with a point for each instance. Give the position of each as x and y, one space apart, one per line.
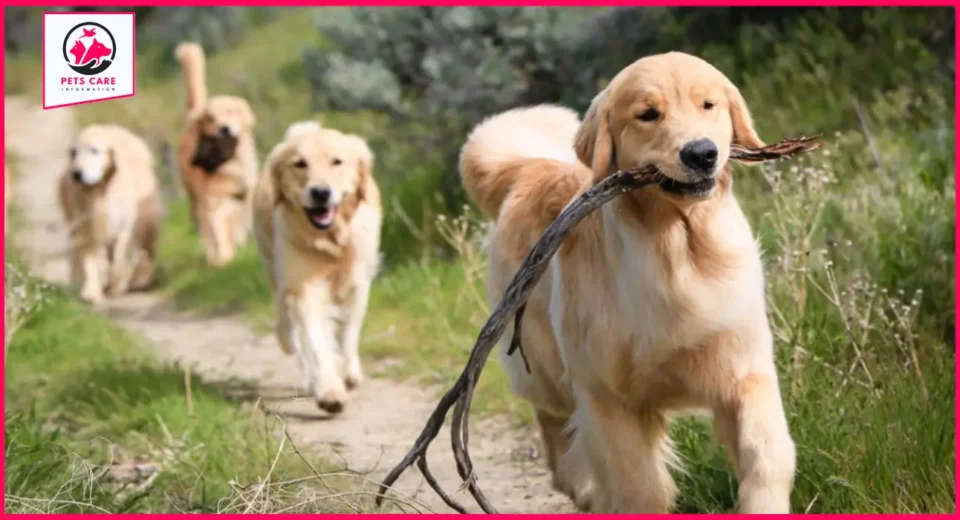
94 423
859 252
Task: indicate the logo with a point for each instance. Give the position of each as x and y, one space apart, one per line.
87 54
87 57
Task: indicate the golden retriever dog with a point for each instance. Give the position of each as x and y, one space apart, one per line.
317 221
218 161
655 303
109 198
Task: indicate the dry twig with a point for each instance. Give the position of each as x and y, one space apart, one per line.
512 304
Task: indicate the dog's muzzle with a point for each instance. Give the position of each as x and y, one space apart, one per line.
320 208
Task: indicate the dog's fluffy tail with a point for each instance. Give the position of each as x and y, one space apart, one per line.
190 56
497 145
301 127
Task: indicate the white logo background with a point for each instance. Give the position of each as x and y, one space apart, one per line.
56 93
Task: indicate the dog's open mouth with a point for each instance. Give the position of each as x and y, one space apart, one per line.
688 189
321 218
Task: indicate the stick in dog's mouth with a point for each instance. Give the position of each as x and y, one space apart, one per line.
780 150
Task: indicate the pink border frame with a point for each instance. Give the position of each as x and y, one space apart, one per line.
569 3
43 59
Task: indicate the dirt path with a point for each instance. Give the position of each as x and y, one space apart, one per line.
382 418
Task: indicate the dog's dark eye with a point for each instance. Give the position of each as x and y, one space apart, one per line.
300 163
337 162
73 152
707 105
650 114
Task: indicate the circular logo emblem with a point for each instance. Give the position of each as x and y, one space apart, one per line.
89 48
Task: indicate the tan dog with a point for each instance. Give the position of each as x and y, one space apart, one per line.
110 201
655 303
317 223
218 161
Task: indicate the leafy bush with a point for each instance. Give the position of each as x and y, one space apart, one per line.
467 61
443 66
212 26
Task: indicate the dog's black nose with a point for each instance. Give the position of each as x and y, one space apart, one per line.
78 175
699 155
320 196
225 131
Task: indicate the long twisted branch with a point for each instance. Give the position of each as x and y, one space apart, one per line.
512 305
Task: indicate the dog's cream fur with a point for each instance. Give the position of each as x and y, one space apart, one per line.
220 201
321 277
653 305
109 198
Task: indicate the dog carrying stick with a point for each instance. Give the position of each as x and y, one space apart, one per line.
512 304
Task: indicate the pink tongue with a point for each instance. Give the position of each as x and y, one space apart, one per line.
320 217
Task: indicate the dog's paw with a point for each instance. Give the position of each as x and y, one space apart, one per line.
583 497
142 277
117 286
91 295
219 260
354 377
581 493
332 401
116 290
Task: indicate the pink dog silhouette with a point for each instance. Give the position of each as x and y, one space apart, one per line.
82 55
78 50
96 52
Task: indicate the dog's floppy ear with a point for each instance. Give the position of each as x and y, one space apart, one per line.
114 161
366 185
273 167
249 118
125 151
743 132
593 142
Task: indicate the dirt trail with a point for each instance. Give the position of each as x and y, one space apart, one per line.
382 418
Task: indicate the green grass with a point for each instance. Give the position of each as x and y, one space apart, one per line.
858 242
78 389
82 393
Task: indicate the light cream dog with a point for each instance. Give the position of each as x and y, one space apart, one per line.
317 221
218 161
109 198
655 303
